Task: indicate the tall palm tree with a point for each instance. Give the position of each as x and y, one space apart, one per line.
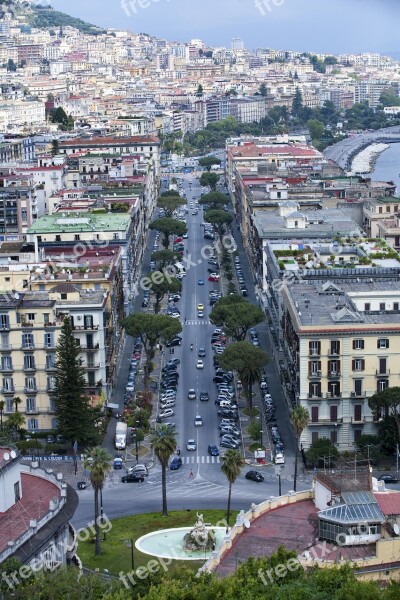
2 406
17 401
231 467
97 462
163 442
299 418
249 375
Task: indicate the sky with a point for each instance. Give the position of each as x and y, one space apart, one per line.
332 26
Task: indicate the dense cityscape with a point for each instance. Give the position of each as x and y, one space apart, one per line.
199 315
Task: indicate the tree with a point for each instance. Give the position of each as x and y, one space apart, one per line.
54 147
163 442
11 66
58 115
208 161
164 257
316 129
97 462
299 418
236 316
162 286
17 401
387 403
199 92
214 200
2 406
218 218
209 180
389 98
13 427
297 104
150 328
321 453
330 60
73 411
231 466
248 361
170 204
167 227
263 90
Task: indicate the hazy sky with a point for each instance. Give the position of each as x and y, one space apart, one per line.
320 25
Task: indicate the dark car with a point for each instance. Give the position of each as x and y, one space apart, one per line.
204 397
176 463
388 478
201 352
145 303
173 362
254 476
132 478
229 444
228 412
221 379
169 368
174 342
213 450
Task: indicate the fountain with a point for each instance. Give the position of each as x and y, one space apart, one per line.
183 543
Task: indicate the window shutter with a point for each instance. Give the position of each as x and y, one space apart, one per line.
353 365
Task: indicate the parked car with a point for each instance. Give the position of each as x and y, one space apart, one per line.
254 476
165 414
388 478
132 478
231 438
229 444
139 470
174 342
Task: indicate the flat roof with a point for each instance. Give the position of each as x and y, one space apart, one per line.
56 222
335 221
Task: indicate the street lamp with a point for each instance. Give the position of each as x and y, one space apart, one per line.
136 441
261 438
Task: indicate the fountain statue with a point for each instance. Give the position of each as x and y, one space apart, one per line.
199 538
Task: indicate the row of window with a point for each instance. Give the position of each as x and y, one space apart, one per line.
30 384
357 364
333 435
333 413
33 424
334 347
334 391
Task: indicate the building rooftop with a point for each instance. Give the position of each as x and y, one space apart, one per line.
57 222
389 502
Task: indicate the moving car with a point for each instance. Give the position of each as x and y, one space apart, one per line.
132 478
254 476
176 341
176 463
201 352
214 277
198 421
204 397
192 394
200 281
213 450
200 364
200 306
191 445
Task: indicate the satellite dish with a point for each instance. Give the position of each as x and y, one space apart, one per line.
396 529
247 523
6 456
13 454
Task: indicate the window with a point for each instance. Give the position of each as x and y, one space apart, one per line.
9 405
314 367
64 296
50 361
46 318
53 404
314 348
6 363
357 434
315 390
77 237
30 384
358 344
4 321
27 340
357 412
91 378
314 414
30 404
314 436
395 306
17 491
58 238
8 384
33 424
29 361
333 389
333 367
51 383
358 387
4 341
358 364
382 306
31 316
88 321
383 343
382 370
333 436
367 306
49 340
333 413
335 347
388 209
382 384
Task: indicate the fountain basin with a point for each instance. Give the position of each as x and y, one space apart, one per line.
167 543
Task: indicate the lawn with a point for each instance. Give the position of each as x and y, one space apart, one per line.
116 554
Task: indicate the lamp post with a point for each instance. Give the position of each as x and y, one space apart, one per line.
280 485
136 442
261 438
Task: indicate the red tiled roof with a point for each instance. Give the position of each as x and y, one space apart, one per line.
34 504
389 502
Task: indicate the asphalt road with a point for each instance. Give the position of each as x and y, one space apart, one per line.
208 487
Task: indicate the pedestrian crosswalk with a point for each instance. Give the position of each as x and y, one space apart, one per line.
200 460
199 322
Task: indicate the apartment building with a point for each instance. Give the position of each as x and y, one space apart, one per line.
30 324
377 213
341 340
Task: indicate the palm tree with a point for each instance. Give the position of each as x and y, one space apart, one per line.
14 425
299 418
2 406
163 442
97 462
231 467
249 375
17 401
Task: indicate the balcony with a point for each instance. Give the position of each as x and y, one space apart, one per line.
314 374
32 411
327 421
7 390
91 366
314 352
89 348
382 372
30 389
4 326
29 369
331 395
27 347
5 347
359 421
50 367
333 353
49 347
6 369
334 374
359 394
314 396
85 327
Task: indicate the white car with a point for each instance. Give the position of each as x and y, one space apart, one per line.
200 364
166 414
279 458
198 421
191 394
191 445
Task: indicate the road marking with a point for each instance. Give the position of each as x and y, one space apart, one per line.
188 460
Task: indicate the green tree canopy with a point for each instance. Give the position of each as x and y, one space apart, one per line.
170 204
214 200
387 403
236 316
322 453
164 257
316 129
168 226
208 161
297 104
209 180
231 466
218 218
163 442
97 462
263 90
161 285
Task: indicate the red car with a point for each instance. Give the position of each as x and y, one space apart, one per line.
178 239
212 278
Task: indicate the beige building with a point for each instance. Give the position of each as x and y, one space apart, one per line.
30 325
342 345
376 213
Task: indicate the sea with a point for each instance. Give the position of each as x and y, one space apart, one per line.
387 167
